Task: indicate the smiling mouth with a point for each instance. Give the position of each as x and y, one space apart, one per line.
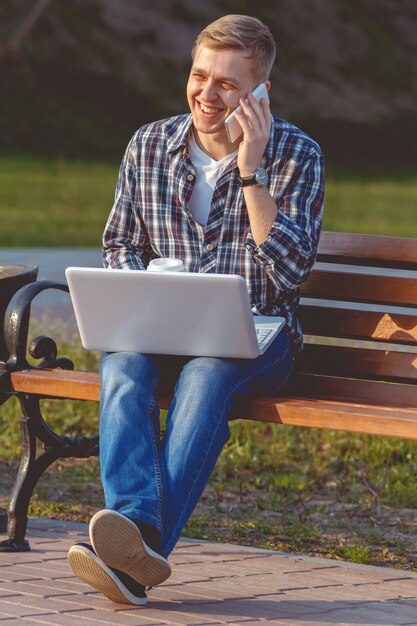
208 110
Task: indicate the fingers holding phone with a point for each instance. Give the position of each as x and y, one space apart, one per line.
234 127
255 119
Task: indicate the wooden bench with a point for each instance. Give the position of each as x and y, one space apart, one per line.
358 372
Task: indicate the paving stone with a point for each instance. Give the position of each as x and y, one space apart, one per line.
406 587
45 588
209 590
63 620
242 609
343 594
321 622
10 575
52 605
40 570
377 614
17 610
174 615
19 558
408 602
82 601
21 588
212 584
133 618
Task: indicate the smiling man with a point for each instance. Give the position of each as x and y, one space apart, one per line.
252 208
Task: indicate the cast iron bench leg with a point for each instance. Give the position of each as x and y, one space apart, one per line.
30 470
34 429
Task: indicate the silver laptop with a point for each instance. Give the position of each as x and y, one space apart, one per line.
168 313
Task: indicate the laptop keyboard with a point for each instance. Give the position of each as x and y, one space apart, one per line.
263 334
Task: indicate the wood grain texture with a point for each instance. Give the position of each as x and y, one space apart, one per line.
74 385
359 363
354 287
315 413
349 247
353 390
357 324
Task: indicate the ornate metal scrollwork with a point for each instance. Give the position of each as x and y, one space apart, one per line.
34 429
45 348
15 330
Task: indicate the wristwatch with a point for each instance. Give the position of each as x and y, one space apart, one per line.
259 178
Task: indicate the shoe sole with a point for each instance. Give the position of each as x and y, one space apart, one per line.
88 568
119 543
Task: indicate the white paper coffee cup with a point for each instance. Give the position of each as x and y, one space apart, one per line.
166 265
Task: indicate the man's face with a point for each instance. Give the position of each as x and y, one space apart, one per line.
217 80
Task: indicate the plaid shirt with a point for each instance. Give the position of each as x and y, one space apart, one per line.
150 216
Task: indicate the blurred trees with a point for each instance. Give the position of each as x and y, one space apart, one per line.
91 71
10 49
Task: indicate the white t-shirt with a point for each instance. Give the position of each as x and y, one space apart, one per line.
208 171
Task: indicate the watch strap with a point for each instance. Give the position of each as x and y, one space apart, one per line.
258 178
247 181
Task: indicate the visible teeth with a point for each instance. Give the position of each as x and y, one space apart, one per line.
207 109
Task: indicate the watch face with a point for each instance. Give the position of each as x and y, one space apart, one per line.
261 176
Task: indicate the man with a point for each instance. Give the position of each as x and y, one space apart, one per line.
251 208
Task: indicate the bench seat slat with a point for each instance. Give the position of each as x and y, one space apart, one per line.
365 325
317 413
350 416
74 385
356 287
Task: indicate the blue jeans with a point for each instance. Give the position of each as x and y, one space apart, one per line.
160 480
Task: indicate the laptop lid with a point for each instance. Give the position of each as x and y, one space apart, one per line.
163 312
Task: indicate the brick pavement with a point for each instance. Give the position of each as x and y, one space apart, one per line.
211 584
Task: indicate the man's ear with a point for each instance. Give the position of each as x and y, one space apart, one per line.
267 84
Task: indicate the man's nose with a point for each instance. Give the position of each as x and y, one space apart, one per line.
209 92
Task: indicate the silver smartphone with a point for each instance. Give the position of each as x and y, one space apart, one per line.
233 128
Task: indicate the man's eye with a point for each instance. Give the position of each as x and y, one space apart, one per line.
228 86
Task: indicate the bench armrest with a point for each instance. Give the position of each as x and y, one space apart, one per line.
16 322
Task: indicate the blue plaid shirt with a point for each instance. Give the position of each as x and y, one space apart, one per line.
150 216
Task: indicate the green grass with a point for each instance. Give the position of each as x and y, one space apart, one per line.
379 205
294 463
355 554
54 203
60 203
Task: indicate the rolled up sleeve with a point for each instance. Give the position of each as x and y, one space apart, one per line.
125 241
290 249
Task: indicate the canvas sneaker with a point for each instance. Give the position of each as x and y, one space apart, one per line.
115 585
118 542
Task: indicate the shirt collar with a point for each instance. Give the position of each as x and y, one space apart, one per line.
180 136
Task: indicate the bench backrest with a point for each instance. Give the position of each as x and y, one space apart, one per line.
359 314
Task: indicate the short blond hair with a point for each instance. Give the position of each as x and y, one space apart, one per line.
241 32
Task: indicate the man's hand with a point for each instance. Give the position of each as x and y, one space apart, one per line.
256 123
